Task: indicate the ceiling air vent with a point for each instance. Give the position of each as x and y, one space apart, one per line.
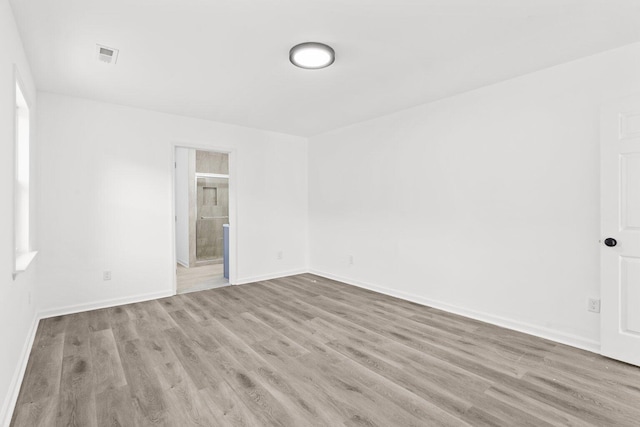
107 54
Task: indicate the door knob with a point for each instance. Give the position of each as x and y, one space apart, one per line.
610 241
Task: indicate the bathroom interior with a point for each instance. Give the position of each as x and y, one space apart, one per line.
202 219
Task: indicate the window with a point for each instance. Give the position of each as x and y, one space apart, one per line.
23 251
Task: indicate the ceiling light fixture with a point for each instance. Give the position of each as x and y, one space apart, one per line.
312 56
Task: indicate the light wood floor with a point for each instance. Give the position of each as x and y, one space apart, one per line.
308 351
199 278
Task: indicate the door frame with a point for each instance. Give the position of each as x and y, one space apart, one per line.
233 200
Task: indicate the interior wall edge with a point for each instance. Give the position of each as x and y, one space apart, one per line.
582 343
9 404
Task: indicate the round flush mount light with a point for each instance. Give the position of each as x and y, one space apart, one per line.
312 56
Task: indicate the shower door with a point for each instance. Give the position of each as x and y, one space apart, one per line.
212 212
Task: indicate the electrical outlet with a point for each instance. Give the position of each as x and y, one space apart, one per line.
350 259
593 305
106 275
280 255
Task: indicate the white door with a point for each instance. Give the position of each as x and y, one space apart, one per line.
620 230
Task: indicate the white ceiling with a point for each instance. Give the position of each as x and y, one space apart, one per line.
227 60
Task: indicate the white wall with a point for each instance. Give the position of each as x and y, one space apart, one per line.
486 203
107 184
17 312
182 205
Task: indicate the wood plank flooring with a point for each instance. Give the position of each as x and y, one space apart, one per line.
199 278
308 351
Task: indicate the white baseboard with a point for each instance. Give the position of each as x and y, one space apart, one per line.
561 337
271 276
59 311
183 263
16 382
516 325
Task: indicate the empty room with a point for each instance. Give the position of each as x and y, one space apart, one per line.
320 213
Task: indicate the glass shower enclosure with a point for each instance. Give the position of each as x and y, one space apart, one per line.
212 212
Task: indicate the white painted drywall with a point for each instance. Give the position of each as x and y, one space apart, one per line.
108 199
485 203
182 205
17 314
391 54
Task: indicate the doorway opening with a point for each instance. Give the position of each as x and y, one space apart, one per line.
202 219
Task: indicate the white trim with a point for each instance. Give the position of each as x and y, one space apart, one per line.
18 258
9 404
516 325
233 204
210 175
14 95
182 263
14 389
271 276
23 261
60 311
561 337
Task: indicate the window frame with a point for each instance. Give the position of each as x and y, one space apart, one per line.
22 256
